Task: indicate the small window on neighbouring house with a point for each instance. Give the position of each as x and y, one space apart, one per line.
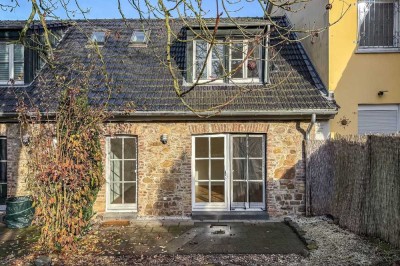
139 37
99 37
378 23
3 170
378 119
11 63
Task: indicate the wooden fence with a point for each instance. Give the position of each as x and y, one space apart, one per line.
356 179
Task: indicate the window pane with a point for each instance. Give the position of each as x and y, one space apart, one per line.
19 71
252 68
201 50
201 147
255 192
116 148
255 147
116 171
237 50
201 56
18 53
254 50
201 170
217 69
3 172
217 192
239 192
129 193
116 193
3 149
201 192
4 72
237 68
99 37
217 169
376 23
217 147
3 194
129 170
4 52
218 52
239 169
138 36
239 147
129 148
199 67
255 169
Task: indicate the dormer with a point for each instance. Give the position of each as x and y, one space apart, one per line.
238 54
11 63
21 62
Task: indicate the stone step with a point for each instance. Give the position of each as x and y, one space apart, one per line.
226 215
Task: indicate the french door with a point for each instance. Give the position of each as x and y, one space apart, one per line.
228 172
122 173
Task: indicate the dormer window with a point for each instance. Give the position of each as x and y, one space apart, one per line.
11 63
99 37
229 61
139 37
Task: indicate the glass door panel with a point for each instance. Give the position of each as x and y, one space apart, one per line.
209 173
122 173
247 172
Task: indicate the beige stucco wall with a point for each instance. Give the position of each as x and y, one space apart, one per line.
353 77
356 78
165 169
306 17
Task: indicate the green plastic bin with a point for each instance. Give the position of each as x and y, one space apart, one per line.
19 212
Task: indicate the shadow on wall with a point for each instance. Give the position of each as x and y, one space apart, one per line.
17 168
168 194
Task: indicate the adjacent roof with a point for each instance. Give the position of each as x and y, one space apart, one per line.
142 85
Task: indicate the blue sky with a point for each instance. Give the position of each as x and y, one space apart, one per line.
109 9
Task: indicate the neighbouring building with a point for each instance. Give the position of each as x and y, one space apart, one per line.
161 159
358 59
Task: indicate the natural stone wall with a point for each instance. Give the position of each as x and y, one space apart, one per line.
164 171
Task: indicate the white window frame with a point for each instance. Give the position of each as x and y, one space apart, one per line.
3 207
120 207
208 69
210 206
139 43
245 78
11 67
227 205
230 80
396 31
93 39
382 107
247 181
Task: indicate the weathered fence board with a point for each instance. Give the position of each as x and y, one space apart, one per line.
356 179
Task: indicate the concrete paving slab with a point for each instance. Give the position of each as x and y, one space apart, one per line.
271 238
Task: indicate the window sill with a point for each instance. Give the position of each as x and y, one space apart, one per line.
236 84
232 82
377 50
16 84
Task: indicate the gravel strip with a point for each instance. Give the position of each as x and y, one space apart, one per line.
337 246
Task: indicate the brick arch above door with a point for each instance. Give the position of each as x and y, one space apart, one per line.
236 127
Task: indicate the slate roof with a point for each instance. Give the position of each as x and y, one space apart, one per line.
141 83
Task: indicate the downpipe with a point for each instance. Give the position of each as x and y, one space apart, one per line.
310 126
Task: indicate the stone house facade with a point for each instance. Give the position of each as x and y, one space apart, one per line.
163 161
